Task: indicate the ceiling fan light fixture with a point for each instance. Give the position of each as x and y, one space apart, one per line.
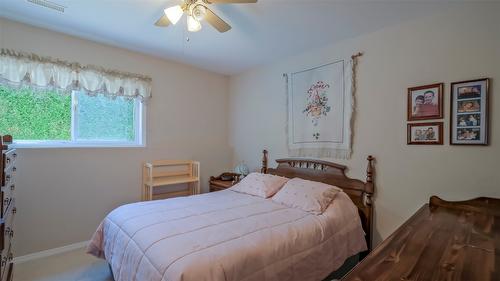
174 14
199 12
193 25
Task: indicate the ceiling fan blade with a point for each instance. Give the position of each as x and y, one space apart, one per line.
231 1
163 21
216 21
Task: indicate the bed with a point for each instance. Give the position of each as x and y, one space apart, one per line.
227 235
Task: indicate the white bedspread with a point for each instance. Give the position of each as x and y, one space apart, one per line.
226 236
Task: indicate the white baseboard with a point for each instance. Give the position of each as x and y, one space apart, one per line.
50 252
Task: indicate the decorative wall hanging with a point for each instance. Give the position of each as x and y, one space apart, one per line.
425 102
19 69
469 112
320 110
425 133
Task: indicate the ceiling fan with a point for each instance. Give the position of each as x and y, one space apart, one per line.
196 11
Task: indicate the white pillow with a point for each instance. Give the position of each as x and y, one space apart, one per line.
310 196
262 185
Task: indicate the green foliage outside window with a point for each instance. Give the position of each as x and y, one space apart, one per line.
47 116
35 116
103 118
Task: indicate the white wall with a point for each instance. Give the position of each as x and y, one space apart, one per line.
461 44
64 193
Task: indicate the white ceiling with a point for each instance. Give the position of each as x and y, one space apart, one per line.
262 32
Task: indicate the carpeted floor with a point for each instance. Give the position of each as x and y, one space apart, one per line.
71 266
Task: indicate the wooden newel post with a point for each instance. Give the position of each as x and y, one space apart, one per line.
264 162
369 189
369 180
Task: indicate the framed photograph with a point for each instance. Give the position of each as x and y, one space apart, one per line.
469 112
425 133
425 102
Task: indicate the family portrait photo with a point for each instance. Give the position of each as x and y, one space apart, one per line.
469 106
469 120
469 134
425 133
469 112
469 92
425 102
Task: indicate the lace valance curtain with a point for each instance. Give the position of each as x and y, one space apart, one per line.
20 69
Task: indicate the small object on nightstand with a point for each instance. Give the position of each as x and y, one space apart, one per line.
242 169
225 180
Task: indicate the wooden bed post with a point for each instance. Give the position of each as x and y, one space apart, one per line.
369 189
264 162
369 181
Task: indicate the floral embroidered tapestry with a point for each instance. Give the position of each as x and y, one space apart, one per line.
320 107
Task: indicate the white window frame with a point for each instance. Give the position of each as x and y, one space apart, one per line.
139 124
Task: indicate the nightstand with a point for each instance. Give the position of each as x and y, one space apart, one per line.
224 181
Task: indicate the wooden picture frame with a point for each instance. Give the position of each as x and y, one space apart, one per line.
433 133
425 102
469 112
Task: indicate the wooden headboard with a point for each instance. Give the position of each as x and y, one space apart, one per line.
334 174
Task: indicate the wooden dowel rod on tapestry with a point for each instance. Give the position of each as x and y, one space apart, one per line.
357 55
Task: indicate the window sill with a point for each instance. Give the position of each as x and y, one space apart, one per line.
75 145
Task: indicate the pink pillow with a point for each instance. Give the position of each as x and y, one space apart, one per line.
262 185
309 196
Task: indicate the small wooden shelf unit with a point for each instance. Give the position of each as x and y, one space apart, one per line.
163 173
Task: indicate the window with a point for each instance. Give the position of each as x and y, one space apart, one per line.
49 119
